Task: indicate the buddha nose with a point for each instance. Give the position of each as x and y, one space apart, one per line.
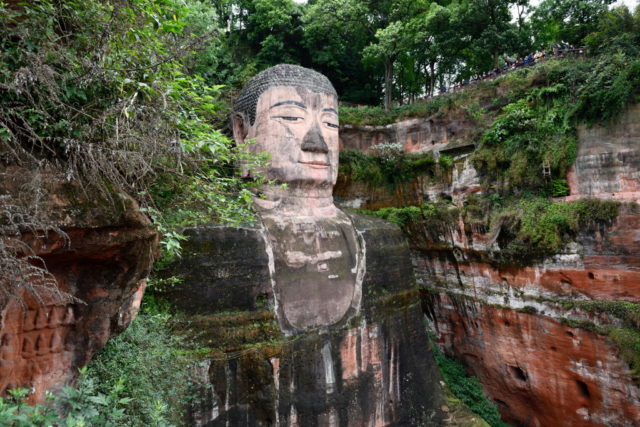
313 141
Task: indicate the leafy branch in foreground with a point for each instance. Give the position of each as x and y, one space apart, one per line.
100 91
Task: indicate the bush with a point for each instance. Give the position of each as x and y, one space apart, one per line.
559 188
146 365
399 216
539 227
14 411
390 166
434 216
467 389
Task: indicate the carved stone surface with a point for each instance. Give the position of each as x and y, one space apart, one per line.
103 263
374 369
318 268
349 347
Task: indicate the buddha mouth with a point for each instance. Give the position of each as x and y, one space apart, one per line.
316 164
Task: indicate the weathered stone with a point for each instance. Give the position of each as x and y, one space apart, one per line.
608 162
418 136
502 320
221 269
374 368
539 371
102 261
415 135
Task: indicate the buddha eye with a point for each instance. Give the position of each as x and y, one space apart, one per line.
290 118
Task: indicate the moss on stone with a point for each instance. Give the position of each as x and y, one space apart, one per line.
233 331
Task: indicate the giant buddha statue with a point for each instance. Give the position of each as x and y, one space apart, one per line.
310 314
292 114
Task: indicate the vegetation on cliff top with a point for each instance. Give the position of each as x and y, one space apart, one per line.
102 94
529 228
389 166
525 228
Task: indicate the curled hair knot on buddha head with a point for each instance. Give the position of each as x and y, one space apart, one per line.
279 75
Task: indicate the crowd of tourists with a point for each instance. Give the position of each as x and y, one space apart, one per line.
510 64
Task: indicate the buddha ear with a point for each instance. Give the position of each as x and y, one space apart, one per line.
240 127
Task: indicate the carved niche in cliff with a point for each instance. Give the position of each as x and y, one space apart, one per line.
96 262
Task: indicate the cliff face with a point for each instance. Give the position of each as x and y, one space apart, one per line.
451 136
99 255
608 162
541 335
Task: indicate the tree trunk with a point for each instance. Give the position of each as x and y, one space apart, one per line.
432 67
388 84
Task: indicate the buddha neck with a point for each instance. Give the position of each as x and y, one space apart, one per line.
296 201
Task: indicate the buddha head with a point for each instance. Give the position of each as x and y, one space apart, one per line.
291 113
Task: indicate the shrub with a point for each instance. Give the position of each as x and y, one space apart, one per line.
559 188
539 227
101 91
14 411
389 167
467 389
146 365
434 216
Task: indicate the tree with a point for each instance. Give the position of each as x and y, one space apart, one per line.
567 21
335 34
486 26
260 33
391 43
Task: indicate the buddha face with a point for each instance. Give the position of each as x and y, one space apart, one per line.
298 128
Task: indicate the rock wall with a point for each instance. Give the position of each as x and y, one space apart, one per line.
539 371
448 184
416 135
516 326
374 370
101 257
608 161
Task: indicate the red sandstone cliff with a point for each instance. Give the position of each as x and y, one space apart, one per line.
100 255
514 326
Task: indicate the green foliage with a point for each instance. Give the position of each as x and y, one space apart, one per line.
559 188
611 85
14 411
390 166
445 161
536 130
466 388
567 20
86 405
146 367
140 378
536 227
377 116
102 90
398 216
529 134
628 341
434 216
626 311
